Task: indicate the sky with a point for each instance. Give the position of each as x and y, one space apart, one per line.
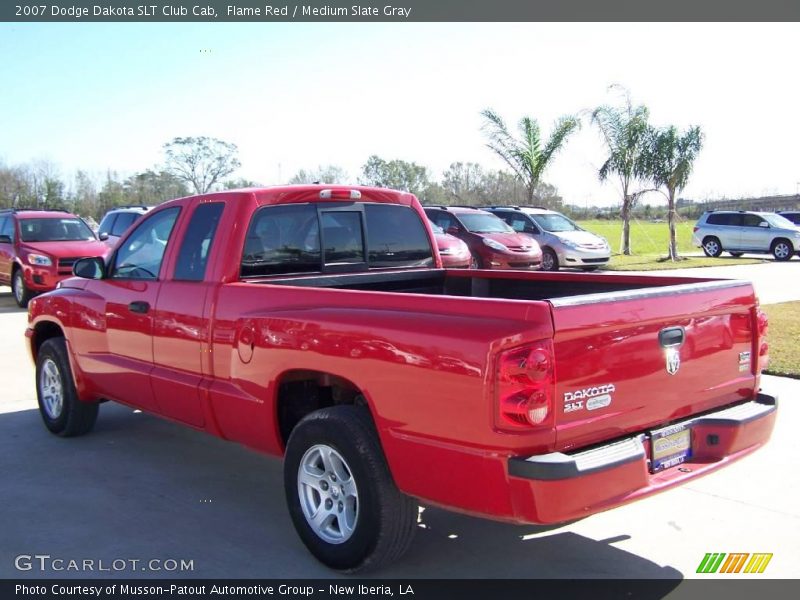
100 96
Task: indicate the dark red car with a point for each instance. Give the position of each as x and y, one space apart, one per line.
38 248
455 253
493 244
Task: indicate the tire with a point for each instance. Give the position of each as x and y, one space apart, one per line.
782 249
62 412
590 269
736 254
375 523
712 247
549 260
22 295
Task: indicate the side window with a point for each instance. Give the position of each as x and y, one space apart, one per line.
343 238
752 221
8 228
122 222
518 224
196 245
141 255
282 239
442 219
107 223
396 237
3 221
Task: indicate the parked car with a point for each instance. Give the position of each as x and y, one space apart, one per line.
564 243
39 247
492 243
737 232
317 323
454 252
791 215
118 220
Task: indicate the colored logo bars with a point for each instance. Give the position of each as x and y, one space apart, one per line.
734 563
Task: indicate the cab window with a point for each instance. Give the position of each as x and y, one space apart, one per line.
141 255
196 245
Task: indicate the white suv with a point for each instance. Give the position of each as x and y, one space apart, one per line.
737 232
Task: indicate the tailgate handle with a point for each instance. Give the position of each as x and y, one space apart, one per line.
669 337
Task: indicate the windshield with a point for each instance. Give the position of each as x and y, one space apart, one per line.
779 221
54 229
484 223
555 223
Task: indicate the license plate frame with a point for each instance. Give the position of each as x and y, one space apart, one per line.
670 446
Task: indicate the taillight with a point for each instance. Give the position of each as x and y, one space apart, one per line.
525 379
762 324
340 194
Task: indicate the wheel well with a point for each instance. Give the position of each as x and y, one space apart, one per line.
44 331
776 240
710 237
301 392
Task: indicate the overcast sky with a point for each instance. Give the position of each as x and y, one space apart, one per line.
297 95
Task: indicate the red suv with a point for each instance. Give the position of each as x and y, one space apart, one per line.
493 244
38 247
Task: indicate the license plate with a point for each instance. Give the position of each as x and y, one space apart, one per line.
670 446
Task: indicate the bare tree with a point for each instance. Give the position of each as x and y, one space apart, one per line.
201 161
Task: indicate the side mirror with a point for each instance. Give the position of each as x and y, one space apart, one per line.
5 239
452 230
89 268
103 236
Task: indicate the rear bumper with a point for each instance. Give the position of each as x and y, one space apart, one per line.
557 487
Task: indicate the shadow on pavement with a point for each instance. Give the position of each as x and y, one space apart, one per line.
142 488
7 302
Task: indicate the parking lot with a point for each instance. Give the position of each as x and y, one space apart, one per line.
141 488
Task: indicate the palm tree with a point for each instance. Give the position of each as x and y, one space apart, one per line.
527 156
668 160
624 129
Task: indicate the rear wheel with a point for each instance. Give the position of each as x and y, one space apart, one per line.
782 249
22 294
62 411
736 254
341 496
712 247
549 260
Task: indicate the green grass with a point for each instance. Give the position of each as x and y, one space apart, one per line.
782 336
650 246
646 237
658 262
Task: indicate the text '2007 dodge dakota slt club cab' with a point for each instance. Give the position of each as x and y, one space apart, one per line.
317 323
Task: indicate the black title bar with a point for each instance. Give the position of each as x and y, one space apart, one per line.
397 10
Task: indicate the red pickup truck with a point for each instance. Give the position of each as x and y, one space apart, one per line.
317 323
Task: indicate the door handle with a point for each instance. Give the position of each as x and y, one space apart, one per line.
139 307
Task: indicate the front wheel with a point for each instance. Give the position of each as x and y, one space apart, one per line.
782 250
341 497
712 247
22 294
62 411
549 260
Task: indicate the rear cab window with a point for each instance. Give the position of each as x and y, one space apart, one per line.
327 237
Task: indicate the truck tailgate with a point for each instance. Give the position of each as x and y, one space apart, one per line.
641 359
